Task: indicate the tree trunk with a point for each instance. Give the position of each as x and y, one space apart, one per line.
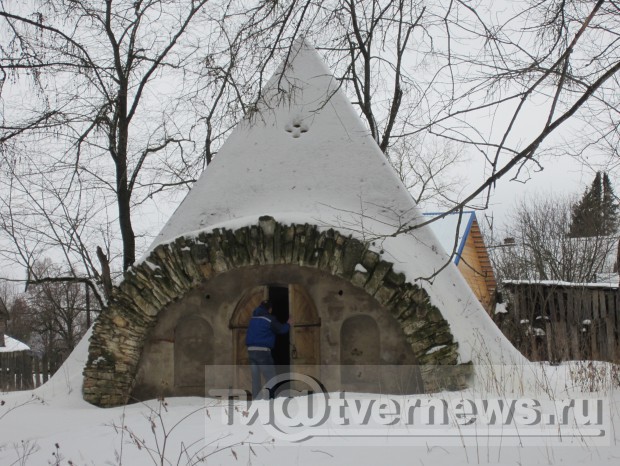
123 190
106 276
124 216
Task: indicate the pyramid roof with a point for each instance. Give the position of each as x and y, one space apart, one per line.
304 150
304 156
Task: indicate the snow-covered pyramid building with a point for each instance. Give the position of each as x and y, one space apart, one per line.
300 206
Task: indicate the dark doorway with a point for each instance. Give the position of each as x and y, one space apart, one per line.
278 295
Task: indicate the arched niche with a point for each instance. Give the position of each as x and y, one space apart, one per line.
360 353
360 341
193 351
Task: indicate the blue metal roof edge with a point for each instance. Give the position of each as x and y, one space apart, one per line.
465 212
465 235
472 216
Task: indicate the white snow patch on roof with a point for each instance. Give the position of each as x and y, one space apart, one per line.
560 283
11 345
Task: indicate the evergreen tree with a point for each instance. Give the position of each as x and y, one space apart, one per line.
596 214
610 208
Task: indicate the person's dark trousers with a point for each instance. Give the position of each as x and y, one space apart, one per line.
261 363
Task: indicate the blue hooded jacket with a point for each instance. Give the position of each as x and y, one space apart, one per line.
263 328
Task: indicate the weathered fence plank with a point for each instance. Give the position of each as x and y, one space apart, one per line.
20 370
579 322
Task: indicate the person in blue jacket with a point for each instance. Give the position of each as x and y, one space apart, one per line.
260 339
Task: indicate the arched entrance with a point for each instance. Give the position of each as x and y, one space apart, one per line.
173 270
297 352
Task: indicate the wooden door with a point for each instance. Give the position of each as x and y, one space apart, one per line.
304 338
305 334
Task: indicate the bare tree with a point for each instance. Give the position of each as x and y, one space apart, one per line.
94 70
52 316
539 246
56 312
20 324
429 172
40 213
131 98
510 86
125 100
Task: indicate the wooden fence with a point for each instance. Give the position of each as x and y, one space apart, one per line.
560 322
20 370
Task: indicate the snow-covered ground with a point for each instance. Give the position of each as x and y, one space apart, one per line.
53 425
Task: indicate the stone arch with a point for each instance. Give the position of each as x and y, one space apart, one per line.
173 269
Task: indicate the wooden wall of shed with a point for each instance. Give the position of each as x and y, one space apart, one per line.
476 268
